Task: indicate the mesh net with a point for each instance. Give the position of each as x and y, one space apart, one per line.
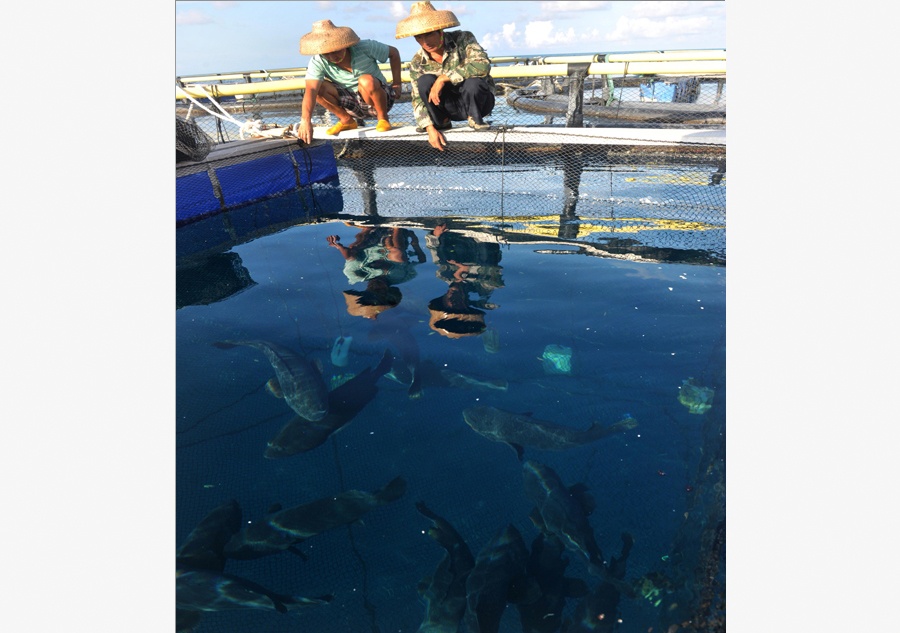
633 160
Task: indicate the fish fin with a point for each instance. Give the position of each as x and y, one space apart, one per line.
387 361
519 449
580 493
425 510
423 585
279 606
537 519
274 387
392 491
294 550
275 507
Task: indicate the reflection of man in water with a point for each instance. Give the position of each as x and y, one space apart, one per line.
469 267
380 257
380 252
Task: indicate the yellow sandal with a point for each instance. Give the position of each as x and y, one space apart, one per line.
339 127
383 125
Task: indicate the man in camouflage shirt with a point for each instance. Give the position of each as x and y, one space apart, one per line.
450 75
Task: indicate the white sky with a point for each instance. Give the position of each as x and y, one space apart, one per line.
234 36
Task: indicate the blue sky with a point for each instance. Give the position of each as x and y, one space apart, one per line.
213 37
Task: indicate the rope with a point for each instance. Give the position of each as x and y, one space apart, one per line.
249 127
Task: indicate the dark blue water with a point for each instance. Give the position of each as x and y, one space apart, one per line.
636 331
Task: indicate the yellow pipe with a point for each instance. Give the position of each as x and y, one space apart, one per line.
712 67
570 59
664 56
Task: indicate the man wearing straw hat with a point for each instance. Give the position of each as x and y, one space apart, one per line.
344 78
450 75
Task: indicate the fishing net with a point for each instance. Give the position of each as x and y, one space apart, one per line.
191 142
626 162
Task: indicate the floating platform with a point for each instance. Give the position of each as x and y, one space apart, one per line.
540 135
241 172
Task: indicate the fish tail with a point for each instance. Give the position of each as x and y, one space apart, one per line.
393 491
385 365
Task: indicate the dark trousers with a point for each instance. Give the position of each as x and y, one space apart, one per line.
471 98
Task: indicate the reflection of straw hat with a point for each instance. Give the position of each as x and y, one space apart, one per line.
424 18
325 37
455 323
369 304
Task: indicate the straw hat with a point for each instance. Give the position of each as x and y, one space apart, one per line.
325 37
424 18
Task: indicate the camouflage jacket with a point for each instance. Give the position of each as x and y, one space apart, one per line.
463 58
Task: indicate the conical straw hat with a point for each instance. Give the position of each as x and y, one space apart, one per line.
325 37
424 18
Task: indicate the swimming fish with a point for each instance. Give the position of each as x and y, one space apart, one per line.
344 402
201 584
205 545
197 590
395 330
444 591
283 529
562 512
299 380
498 577
547 566
599 611
519 430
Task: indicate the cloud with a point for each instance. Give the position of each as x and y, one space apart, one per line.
192 17
642 28
223 4
508 36
541 34
555 8
398 11
664 9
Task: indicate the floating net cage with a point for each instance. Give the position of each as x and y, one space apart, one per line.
623 190
545 173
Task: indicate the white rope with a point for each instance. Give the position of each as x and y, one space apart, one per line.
250 127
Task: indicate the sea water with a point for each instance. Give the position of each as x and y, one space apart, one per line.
635 330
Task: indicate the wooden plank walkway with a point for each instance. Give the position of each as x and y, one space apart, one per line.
538 135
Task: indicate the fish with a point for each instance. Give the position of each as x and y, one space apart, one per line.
444 591
598 612
563 512
284 529
298 379
300 435
395 330
197 590
520 430
547 566
204 547
498 577
201 584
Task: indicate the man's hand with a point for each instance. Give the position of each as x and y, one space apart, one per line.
305 131
435 138
434 95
